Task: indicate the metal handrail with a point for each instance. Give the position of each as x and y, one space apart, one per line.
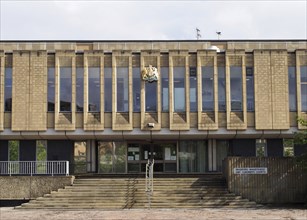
34 168
149 176
149 180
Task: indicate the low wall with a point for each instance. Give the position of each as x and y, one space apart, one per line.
31 187
285 181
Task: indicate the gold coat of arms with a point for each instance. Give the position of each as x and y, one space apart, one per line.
150 74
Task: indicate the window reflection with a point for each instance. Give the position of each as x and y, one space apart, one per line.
221 88
80 157
292 88
151 97
250 88
65 89
122 89
41 150
136 89
93 89
8 89
236 88
112 157
192 156
51 89
207 88
304 88
193 90
108 89
13 150
179 89
164 84
79 89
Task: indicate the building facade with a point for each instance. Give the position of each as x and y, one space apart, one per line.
86 102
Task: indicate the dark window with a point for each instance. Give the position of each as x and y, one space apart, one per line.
94 89
150 97
292 88
221 88
250 88
51 89
79 89
65 89
108 89
179 89
304 88
236 88
136 89
207 74
8 89
165 84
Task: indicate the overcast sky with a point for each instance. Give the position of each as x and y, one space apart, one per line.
152 20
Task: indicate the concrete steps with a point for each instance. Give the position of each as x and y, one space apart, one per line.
126 193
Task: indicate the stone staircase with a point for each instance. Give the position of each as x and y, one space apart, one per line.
127 193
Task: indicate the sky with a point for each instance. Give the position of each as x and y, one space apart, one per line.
152 20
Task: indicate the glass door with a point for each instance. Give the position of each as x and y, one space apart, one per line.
165 156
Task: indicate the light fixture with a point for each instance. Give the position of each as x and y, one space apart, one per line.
151 125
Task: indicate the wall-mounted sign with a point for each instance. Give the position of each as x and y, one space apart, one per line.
150 74
250 170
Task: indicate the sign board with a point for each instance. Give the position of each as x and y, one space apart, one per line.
250 170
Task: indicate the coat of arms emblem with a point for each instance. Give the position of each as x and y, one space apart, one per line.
150 74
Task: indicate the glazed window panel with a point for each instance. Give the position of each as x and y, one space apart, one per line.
93 89
179 89
261 148
136 89
165 88
79 89
150 97
250 88
41 150
13 150
193 157
8 89
221 89
304 88
193 90
80 157
41 155
122 89
236 88
207 88
65 89
108 89
292 88
51 89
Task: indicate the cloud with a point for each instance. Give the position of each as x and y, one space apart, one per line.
151 20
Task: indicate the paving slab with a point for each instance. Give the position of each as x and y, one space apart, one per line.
9 213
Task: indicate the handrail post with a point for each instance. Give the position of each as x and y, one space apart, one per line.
10 168
67 168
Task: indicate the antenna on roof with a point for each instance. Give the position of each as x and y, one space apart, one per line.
198 35
218 34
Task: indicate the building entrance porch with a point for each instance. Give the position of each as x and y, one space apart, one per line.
124 157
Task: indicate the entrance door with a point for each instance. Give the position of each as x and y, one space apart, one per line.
164 155
152 152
